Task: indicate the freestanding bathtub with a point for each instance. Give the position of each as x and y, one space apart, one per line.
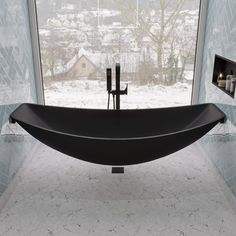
117 137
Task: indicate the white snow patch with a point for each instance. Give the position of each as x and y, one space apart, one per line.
92 94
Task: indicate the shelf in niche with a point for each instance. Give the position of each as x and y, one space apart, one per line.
223 89
223 66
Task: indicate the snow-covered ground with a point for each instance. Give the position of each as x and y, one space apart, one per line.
93 94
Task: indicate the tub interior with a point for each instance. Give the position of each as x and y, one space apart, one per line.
117 124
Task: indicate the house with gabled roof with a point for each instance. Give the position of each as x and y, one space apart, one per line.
92 65
84 68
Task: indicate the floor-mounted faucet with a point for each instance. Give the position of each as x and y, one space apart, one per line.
116 102
117 92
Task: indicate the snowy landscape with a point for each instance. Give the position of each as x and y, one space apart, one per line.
154 42
92 94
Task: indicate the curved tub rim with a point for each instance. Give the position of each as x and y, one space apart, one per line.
120 138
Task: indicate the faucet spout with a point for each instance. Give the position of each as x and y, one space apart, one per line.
118 91
117 86
125 91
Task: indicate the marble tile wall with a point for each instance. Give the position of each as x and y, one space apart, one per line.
220 38
17 85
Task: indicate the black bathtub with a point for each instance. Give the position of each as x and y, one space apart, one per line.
117 137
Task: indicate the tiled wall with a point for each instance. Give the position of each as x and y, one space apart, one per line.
220 38
17 85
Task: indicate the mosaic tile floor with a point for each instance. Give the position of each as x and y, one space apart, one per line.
177 195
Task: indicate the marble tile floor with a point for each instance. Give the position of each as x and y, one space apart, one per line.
179 195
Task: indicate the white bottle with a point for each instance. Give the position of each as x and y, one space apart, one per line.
228 81
232 85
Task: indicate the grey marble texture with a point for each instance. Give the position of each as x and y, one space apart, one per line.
177 195
220 38
17 85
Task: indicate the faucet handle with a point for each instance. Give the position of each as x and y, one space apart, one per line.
126 89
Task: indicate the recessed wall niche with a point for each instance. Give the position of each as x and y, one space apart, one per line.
224 75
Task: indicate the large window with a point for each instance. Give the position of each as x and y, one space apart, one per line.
153 40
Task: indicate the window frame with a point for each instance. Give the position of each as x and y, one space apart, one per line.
199 51
34 34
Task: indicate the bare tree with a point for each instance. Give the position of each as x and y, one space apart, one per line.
163 23
56 51
160 34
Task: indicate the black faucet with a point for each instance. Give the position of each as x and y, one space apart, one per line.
117 92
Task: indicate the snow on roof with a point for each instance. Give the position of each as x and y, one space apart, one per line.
108 13
189 12
128 61
68 7
44 32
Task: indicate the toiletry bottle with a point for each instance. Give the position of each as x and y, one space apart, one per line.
232 84
228 80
